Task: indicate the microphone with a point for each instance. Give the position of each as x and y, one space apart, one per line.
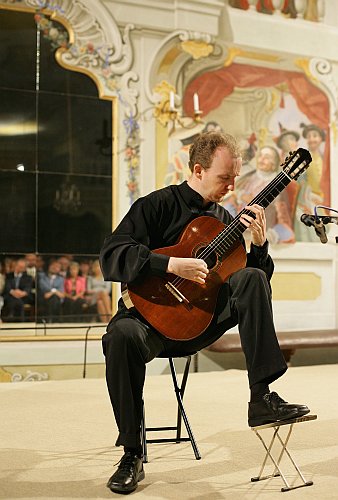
307 219
320 230
312 220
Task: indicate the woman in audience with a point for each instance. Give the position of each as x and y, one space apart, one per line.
99 292
75 290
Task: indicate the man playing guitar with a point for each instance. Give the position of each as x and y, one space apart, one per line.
244 299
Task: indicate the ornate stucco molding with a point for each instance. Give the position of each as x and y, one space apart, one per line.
172 54
29 377
320 71
96 46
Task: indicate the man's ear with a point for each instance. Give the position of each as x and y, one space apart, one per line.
198 170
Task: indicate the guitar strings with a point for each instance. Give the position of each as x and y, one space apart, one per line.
268 190
233 226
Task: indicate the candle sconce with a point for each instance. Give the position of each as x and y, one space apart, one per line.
168 114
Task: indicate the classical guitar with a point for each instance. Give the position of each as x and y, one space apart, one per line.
181 309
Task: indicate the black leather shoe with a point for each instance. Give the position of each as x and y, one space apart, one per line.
129 473
273 408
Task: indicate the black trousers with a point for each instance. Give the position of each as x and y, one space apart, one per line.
14 308
130 343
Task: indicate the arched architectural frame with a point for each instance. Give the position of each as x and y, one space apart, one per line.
183 55
98 49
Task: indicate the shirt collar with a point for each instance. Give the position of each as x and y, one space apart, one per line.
193 198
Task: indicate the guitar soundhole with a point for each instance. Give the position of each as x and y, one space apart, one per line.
210 258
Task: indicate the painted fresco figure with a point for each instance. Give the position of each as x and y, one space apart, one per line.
287 141
310 192
278 218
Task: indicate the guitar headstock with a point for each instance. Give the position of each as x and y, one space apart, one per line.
296 163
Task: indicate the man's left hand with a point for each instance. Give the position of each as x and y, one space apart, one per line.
257 226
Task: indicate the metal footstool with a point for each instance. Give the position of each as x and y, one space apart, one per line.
284 452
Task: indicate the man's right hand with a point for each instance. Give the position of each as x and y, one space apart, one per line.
189 268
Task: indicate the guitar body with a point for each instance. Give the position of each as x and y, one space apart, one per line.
167 312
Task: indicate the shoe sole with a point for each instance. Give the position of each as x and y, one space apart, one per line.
127 490
255 422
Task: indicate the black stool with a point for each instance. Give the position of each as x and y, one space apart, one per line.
179 391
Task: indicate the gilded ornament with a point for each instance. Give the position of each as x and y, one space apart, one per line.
304 65
162 111
263 133
234 52
197 49
5 376
273 102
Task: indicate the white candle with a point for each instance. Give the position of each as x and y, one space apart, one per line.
196 103
171 100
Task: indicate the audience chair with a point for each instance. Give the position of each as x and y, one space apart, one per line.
179 392
276 457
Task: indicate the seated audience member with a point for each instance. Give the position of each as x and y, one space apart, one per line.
85 269
8 265
30 259
98 292
17 292
75 289
40 264
64 261
51 291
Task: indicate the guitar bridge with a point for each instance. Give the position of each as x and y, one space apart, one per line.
178 295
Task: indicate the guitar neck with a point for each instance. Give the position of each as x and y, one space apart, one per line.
226 238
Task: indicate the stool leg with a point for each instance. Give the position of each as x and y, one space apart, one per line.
284 449
305 483
182 389
268 454
181 407
144 435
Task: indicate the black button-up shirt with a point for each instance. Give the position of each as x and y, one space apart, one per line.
155 221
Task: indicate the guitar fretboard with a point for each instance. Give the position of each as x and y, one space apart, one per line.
229 235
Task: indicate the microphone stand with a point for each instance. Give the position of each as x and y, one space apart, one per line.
327 219
318 222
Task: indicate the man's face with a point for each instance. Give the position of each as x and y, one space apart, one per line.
20 266
219 178
64 263
55 268
30 260
288 143
266 160
313 139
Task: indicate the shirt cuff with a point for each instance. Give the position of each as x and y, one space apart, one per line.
260 252
159 263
